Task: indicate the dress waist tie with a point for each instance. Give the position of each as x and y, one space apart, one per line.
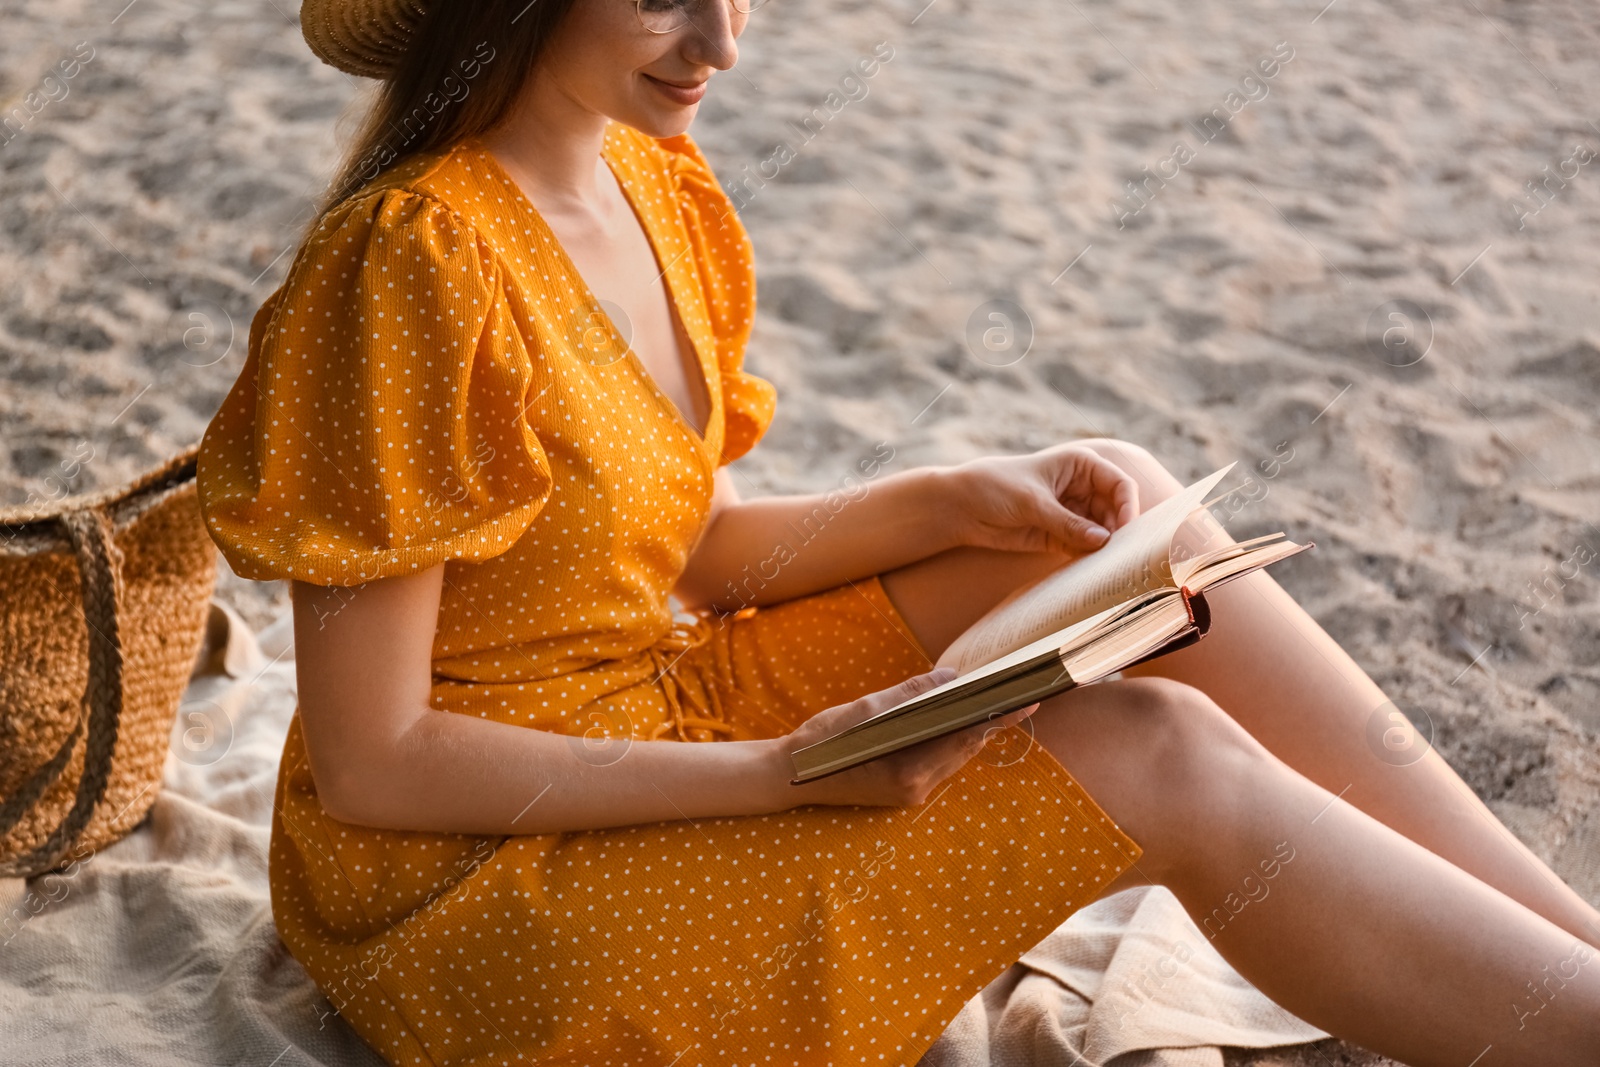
688 712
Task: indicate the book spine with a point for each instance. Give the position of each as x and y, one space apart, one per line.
1188 601
841 752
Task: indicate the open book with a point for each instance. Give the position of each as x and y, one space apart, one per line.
1138 596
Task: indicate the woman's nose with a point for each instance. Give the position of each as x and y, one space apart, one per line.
711 35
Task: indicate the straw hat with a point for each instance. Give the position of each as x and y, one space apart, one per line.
362 37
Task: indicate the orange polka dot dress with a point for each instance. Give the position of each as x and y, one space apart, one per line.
434 384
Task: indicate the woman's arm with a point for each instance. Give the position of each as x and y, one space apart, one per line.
770 549
776 547
381 756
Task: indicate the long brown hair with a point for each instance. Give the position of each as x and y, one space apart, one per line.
469 63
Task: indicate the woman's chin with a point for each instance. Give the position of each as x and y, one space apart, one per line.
658 120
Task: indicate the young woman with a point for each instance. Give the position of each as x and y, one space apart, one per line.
528 814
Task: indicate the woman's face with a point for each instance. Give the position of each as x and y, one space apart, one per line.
603 60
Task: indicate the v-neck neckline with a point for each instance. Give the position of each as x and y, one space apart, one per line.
701 439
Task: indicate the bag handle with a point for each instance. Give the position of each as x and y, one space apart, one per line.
100 582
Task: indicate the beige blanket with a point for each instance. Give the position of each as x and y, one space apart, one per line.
161 950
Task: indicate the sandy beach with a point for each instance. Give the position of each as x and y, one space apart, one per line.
1352 247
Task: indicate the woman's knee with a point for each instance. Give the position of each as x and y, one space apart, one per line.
1185 737
1161 757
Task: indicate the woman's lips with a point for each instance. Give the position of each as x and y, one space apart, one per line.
676 93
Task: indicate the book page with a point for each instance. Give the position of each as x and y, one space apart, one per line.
1185 568
1135 560
1261 555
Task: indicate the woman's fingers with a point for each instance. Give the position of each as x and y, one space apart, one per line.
1123 506
1066 498
985 730
926 765
1095 486
907 777
1114 493
863 708
914 686
1066 529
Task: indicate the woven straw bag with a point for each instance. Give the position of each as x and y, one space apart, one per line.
103 604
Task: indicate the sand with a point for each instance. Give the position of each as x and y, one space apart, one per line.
1359 249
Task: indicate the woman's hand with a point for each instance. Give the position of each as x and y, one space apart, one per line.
902 779
1060 499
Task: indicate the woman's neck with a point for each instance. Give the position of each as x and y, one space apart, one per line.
551 146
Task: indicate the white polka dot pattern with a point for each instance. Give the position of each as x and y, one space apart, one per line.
423 390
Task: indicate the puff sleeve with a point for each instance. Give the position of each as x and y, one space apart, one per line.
378 427
726 261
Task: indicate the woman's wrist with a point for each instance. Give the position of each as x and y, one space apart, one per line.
769 772
940 503
926 500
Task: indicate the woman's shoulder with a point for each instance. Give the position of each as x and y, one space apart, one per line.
422 193
381 423
404 225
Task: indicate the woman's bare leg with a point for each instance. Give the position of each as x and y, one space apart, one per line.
1279 674
1276 671
1333 915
